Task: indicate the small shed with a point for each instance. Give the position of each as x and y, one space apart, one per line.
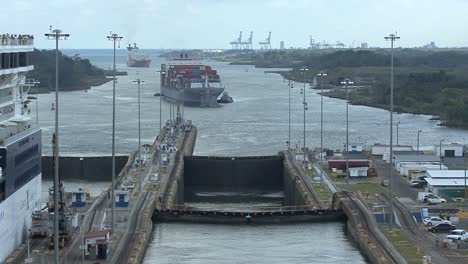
79 198
358 172
449 150
122 198
96 244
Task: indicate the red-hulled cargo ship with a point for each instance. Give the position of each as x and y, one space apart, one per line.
186 82
136 57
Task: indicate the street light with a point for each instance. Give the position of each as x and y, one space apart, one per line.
347 82
139 82
115 38
397 133
417 146
320 76
464 166
290 86
56 35
304 69
440 154
392 38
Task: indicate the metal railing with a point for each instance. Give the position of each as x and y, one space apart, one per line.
16 40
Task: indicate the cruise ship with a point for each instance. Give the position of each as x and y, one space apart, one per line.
20 145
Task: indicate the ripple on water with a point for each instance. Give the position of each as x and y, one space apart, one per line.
296 243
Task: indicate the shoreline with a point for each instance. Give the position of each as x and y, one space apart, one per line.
354 101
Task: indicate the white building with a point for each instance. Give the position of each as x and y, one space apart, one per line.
358 172
449 150
446 174
356 147
450 183
380 149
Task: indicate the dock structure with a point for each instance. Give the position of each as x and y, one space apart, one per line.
169 180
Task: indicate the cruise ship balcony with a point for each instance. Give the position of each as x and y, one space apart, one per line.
14 62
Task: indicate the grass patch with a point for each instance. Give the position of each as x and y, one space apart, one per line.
403 244
324 192
372 188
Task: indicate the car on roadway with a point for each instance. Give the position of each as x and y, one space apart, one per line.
434 220
442 227
458 234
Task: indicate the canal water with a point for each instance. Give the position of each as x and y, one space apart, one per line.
255 124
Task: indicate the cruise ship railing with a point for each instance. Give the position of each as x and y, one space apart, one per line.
8 40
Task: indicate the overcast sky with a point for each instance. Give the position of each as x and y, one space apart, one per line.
214 23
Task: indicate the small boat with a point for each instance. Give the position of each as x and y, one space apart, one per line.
225 99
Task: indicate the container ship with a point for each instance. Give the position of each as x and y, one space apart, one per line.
185 82
136 57
20 145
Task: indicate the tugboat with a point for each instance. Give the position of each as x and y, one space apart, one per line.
225 99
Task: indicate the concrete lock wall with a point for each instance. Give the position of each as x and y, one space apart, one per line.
87 168
232 174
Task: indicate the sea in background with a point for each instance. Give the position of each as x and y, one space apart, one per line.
255 124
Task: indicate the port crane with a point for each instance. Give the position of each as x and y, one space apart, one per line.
265 45
247 44
339 45
313 44
237 43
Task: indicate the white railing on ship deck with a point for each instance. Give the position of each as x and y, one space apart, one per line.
16 40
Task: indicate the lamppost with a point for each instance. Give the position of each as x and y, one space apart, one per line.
56 35
440 154
464 166
115 38
304 69
347 82
417 146
139 82
397 123
290 86
320 76
392 38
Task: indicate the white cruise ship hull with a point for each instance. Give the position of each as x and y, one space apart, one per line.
15 216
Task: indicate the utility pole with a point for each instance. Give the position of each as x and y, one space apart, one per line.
347 82
440 154
56 35
392 38
304 69
114 38
139 82
290 86
397 124
321 75
417 146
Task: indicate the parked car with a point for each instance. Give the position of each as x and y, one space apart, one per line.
418 183
434 220
458 234
435 200
442 227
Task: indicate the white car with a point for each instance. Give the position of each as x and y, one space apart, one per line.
458 234
436 200
434 220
